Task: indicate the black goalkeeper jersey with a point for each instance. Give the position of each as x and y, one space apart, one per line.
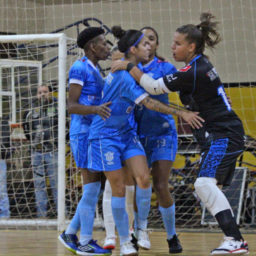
200 87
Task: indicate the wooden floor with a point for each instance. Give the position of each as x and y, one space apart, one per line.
45 243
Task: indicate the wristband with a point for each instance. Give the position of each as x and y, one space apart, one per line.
129 66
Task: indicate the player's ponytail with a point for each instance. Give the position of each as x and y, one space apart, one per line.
203 34
127 39
209 29
118 32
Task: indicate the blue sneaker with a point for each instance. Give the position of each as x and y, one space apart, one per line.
92 248
69 241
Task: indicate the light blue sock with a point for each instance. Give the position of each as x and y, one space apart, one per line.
168 216
121 218
143 199
86 210
74 225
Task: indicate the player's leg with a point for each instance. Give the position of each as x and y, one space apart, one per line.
161 174
85 212
217 166
161 152
129 195
117 181
110 240
109 159
109 223
92 185
139 168
68 238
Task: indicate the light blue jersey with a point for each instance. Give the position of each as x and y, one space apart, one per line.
124 93
160 124
84 73
157 131
114 140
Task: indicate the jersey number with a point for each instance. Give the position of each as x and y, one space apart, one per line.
222 93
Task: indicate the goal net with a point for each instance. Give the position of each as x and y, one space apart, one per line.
33 59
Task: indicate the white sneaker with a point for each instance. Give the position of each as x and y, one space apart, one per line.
128 249
231 246
143 239
110 243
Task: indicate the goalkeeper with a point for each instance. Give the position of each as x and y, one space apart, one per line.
201 88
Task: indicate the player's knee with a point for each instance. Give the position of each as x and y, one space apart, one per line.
118 190
143 181
160 187
206 190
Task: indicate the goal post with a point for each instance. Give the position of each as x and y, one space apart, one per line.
61 41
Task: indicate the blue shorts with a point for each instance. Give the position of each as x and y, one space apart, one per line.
160 147
79 147
219 160
108 154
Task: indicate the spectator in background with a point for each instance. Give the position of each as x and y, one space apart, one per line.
4 147
41 128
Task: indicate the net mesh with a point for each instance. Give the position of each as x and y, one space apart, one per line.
234 60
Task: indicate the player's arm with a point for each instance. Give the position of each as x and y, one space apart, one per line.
75 108
178 81
192 118
154 87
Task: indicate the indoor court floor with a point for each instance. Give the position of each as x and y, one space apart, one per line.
45 243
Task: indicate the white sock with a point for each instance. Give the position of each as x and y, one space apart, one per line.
129 194
107 211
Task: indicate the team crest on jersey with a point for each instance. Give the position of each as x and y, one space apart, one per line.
109 157
185 69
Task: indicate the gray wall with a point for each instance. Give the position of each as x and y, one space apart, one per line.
234 57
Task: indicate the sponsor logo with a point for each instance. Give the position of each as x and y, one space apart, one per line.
185 69
212 74
171 77
85 248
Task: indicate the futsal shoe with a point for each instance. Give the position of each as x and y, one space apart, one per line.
134 241
143 239
174 245
92 248
69 241
128 249
110 243
231 246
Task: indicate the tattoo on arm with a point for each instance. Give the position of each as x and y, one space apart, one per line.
158 106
